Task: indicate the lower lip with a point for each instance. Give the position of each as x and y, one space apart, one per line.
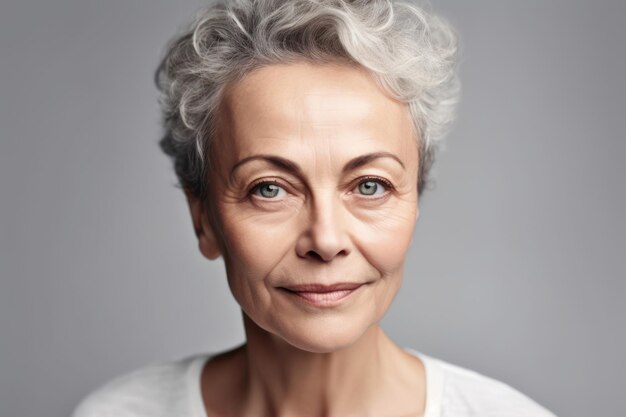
323 299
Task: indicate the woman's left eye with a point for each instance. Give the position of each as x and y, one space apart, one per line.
373 187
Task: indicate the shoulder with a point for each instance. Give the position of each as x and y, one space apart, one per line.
467 393
158 389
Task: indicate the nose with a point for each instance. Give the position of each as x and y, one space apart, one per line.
325 235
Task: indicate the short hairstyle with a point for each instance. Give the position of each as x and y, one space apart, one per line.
411 52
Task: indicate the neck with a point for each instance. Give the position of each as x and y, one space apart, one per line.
366 378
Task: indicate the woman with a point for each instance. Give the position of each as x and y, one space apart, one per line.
302 133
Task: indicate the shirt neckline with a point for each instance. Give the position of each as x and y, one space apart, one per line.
434 384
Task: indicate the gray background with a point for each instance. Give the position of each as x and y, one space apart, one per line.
517 266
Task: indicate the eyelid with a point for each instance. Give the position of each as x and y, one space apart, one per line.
384 181
262 181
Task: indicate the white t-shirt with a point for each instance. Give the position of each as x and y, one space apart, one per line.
172 389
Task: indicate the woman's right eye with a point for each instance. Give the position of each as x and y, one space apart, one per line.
268 189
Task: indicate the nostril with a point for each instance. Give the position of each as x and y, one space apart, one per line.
315 255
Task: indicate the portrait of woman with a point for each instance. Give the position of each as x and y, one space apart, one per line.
311 208
302 133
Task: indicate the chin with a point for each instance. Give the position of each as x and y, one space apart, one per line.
323 335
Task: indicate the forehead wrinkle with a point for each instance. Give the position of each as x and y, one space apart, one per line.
330 108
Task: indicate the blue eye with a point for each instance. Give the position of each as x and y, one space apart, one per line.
268 189
373 187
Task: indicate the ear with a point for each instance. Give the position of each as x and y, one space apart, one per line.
207 238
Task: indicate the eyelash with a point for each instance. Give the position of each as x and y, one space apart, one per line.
388 186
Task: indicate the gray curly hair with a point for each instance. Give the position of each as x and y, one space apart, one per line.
412 54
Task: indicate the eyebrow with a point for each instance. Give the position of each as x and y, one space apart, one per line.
294 168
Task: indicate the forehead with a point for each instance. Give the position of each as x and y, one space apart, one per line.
303 104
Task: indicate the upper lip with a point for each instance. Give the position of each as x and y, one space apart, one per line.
323 288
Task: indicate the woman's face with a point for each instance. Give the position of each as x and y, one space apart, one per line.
314 182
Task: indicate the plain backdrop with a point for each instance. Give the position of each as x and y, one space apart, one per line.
517 266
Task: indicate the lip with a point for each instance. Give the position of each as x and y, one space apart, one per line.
323 295
324 288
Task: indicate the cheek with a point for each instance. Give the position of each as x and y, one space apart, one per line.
255 243
385 236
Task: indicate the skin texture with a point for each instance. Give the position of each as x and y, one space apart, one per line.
327 222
